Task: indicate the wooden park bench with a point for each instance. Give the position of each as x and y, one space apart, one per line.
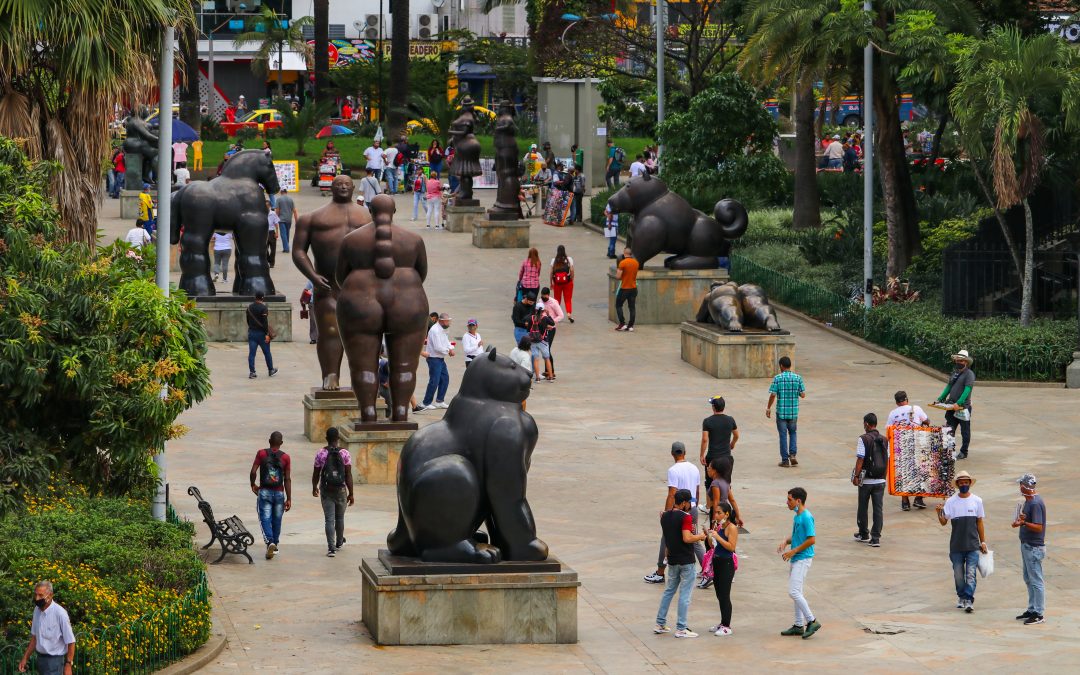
231 533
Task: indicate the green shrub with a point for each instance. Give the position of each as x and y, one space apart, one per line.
839 190
937 236
246 134
211 130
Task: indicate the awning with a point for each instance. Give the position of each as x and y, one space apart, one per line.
475 71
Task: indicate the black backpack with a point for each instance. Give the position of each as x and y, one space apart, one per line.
876 456
333 472
271 473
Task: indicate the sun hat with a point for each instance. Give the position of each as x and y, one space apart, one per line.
963 356
1027 480
963 474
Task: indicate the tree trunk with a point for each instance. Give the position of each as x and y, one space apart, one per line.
999 215
321 11
1027 312
935 148
399 70
901 216
189 99
280 51
807 204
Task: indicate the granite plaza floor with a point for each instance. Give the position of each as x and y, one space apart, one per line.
597 486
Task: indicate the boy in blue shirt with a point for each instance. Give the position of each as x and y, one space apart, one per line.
800 555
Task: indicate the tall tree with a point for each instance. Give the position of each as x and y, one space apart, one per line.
271 34
321 11
60 79
1013 90
399 67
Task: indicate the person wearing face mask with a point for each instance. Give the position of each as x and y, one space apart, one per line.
50 635
678 527
1031 520
800 555
957 398
965 511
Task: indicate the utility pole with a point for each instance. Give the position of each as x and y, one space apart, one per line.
661 9
868 168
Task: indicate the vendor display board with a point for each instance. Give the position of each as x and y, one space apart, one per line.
288 174
557 208
921 462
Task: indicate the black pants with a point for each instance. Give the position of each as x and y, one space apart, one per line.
628 295
723 573
867 493
965 429
271 247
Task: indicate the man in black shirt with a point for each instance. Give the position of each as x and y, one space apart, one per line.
258 322
521 314
719 434
679 535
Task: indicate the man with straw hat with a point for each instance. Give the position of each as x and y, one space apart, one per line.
965 511
958 393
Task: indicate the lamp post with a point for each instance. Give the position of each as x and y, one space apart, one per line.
661 8
1072 373
380 58
868 169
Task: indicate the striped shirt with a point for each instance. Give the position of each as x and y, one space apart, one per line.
787 386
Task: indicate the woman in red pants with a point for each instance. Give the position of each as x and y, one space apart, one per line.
562 281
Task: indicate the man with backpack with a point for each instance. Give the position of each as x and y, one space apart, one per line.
274 490
871 467
333 477
615 159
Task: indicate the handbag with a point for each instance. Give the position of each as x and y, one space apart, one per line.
986 563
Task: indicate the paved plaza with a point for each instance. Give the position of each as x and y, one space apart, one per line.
598 484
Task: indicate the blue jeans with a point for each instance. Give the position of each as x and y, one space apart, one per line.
417 199
611 246
438 377
679 578
270 506
788 446
390 173
283 232
965 566
518 334
1033 576
257 340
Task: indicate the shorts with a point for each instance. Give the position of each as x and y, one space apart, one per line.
541 350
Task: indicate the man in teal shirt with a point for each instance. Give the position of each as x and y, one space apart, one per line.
800 555
786 389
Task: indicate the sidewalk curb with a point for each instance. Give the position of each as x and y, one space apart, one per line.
199 658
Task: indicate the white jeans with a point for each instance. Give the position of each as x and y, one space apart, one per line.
796 578
434 207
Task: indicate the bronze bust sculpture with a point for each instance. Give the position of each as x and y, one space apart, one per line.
466 162
507 199
322 231
381 270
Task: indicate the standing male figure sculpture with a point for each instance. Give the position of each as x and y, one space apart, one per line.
140 149
322 231
466 162
381 270
507 199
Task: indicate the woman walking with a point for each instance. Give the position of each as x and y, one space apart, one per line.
724 538
435 156
223 245
434 200
419 189
529 274
562 280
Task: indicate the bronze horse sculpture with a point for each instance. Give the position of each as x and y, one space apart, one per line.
236 201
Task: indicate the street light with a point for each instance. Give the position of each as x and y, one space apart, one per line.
661 9
868 169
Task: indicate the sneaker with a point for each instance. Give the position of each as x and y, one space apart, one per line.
722 631
631 329
786 464
273 372
654 578
794 630
969 606
330 553
705 583
340 543
862 538
271 549
660 630
570 319
1026 615
904 506
875 543
1033 619
441 404
713 629
919 504
621 326
703 508
962 455
420 408
252 376
959 603
811 628
216 277
794 462
685 633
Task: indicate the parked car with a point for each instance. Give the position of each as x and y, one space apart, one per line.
261 119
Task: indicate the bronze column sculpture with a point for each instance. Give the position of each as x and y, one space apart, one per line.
507 199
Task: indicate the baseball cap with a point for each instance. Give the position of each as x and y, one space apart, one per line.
1027 480
471 322
360 199
836 137
539 305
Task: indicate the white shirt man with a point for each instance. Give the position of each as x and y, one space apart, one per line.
376 158
637 168
682 475
137 237
905 413
835 151
390 156
438 342
183 176
272 220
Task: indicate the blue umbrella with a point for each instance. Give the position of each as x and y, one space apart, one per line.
181 131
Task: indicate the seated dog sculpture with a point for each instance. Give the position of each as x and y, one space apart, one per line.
733 307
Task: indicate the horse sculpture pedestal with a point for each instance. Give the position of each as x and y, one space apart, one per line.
664 295
226 317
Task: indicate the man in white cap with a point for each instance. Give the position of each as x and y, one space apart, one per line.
1031 519
835 153
957 393
965 511
438 348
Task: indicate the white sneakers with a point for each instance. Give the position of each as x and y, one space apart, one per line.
722 631
685 633
440 404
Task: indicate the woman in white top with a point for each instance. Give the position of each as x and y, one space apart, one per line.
471 342
223 243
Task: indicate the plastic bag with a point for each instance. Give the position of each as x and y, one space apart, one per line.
986 563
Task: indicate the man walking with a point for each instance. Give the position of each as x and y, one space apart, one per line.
682 475
50 635
719 434
287 213
258 322
958 393
333 476
679 537
626 273
906 413
272 221
871 465
274 490
800 555
376 160
965 511
786 389
438 348
1032 523
615 158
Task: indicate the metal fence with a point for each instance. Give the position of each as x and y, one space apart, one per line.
977 282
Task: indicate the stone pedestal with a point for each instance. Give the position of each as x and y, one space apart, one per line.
1072 373
727 355
497 606
461 218
500 233
375 449
226 317
324 409
129 205
666 296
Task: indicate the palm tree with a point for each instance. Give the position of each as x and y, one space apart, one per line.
399 66
1011 89
321 11
300 125
272 33
435 114
59 81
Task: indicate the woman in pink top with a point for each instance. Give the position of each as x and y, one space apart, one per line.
433 204
529 274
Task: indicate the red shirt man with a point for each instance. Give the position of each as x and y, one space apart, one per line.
274 470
